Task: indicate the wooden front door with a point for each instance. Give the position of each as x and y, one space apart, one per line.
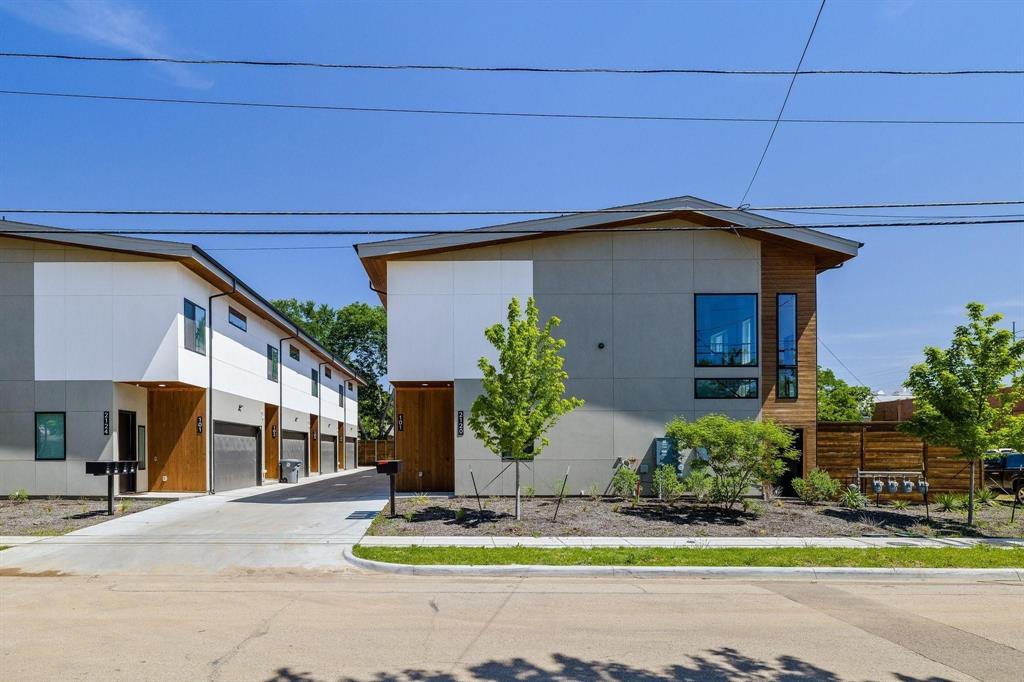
425 438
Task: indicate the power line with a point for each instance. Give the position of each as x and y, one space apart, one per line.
497 231
785 100
825 346
510 114
484 212
513 69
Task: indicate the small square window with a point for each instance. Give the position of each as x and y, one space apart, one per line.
293 352
237 319
350 386
50 440
327 372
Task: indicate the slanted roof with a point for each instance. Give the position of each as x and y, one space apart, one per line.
830 250
190 256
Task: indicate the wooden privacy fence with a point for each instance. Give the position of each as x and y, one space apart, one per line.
369 451
845 447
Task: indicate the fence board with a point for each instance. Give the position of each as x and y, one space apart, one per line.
369 451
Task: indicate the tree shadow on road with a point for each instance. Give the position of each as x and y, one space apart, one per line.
715 665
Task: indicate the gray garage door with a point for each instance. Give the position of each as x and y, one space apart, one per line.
350 453
293 446
236 454
328 454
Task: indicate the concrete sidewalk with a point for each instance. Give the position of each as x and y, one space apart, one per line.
684 542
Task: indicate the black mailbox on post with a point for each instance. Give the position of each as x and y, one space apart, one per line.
391 467
111 469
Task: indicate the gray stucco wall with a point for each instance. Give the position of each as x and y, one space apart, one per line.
634 293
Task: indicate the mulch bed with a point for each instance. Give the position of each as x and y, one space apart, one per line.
59 516
611 517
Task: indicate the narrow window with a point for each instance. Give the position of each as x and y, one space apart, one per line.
341 395
327 372
725 388
50 442
726 330
293 352
195 327
787 379
350 386
272 362
315 376
237 319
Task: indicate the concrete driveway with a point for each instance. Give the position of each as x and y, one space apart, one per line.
280 526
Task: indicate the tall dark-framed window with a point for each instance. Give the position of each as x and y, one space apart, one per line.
237 319
787 338
315 376
725 330
273 362
725 388
195 327
51 441
341 395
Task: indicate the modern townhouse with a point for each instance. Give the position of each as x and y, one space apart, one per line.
119 348
716 314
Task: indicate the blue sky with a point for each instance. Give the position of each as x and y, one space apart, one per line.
904 291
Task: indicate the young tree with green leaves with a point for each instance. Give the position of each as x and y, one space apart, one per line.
964 395
838 401
358 333
737 453
524 396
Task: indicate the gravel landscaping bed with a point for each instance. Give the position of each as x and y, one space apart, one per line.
610 517
59 516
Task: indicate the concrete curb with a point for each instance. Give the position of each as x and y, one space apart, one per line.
702 572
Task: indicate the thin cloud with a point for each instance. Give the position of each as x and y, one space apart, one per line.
109 23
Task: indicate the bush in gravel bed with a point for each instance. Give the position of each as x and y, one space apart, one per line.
946 501
817 487
625 481
19 496
698 484
667 484
852 498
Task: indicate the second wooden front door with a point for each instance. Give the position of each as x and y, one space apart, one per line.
425 438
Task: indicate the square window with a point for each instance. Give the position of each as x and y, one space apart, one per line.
50 436
726 330
237 319
293 352
327 372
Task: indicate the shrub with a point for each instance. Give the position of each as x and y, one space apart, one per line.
985 496
817 487
460 514
963 502
900 504
624 482
529 491
737 452
124 506
852 498
666 483
946 501
752 506
19 496
698 484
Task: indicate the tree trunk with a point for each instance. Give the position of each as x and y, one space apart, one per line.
518 511
970 499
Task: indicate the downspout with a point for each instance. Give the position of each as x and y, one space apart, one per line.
280 398
209 384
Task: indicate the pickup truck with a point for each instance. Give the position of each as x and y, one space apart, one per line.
1005 474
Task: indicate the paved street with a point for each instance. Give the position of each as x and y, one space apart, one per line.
278 526
317 626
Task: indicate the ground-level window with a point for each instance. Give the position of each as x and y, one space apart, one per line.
786 322
50 441
237 319
725 388
273 361
315 376
195 327
293 352
726 330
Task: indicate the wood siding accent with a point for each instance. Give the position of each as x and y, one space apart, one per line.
314 443
426 441
369 451
176 449
786 270
270 442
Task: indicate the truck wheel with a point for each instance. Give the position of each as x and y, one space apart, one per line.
1018 492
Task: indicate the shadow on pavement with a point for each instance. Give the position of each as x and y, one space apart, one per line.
357 486
716 664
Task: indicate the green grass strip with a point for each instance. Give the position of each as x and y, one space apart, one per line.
888 557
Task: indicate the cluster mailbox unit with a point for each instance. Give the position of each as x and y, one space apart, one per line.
111 469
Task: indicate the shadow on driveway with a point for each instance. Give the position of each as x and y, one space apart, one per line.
359 486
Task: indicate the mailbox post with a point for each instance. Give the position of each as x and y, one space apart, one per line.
111 469
391 467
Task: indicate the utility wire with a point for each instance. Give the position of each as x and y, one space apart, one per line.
785 100
613 210
512 69
509 114
500 231
825 346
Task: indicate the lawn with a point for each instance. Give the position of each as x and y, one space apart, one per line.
901 557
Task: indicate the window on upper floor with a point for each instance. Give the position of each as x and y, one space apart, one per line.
195 327
725 388
50 441
726 330
237 319
293 352
341 395
315 376
327 372
273 362
787 358
350 386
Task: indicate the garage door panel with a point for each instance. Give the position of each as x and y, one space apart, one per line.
236 452
328 454
293 446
